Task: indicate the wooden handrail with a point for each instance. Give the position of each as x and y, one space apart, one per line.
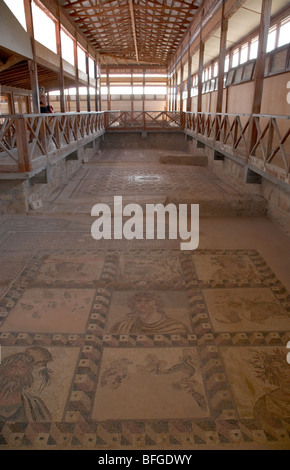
26 140
268 150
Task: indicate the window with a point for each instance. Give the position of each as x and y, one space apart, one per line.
227 63
81 60
284 32
4 104
244 53
138 90
121 90
236 58
155 90
184 95
44 28
17 8
271 39
254 48
91 68
215 69
67 47
104 90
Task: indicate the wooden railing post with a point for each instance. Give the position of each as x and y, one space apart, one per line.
252 137
42 134
270 139
24 163
57 133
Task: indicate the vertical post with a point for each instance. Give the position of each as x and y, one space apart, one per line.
32 65
189 80
169 102
100 88
132 97
28 104
181 88
99 85
167 94
259 71
22 145
270 137
143 99
96 86
78 103
88 83
59 53
199 82
174 92
11 103
221 67
143 94
108 91
261 59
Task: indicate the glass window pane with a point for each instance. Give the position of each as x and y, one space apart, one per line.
271 40
4 104
155 90
244 54
227 63
121 90
91 68
215 69
17 8
44 28
137 90
81 60
254 48
235 61
284 34
67 47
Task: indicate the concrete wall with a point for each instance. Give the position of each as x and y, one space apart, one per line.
276 194
17 196
156 140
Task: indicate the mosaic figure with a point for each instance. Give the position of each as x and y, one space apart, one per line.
272 368
147 316
16 378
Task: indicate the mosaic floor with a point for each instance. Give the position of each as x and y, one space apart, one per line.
139 345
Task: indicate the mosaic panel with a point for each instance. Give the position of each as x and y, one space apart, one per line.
149 383
50 310
130 349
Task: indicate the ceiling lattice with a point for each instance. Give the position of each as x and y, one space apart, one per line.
133 31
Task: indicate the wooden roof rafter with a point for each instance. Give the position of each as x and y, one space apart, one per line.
124 26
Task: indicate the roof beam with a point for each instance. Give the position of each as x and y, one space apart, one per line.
134 29
12 60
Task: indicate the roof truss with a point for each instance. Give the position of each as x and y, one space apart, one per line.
133 31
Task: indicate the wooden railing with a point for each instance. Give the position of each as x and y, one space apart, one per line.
28 141
262 140
144 120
